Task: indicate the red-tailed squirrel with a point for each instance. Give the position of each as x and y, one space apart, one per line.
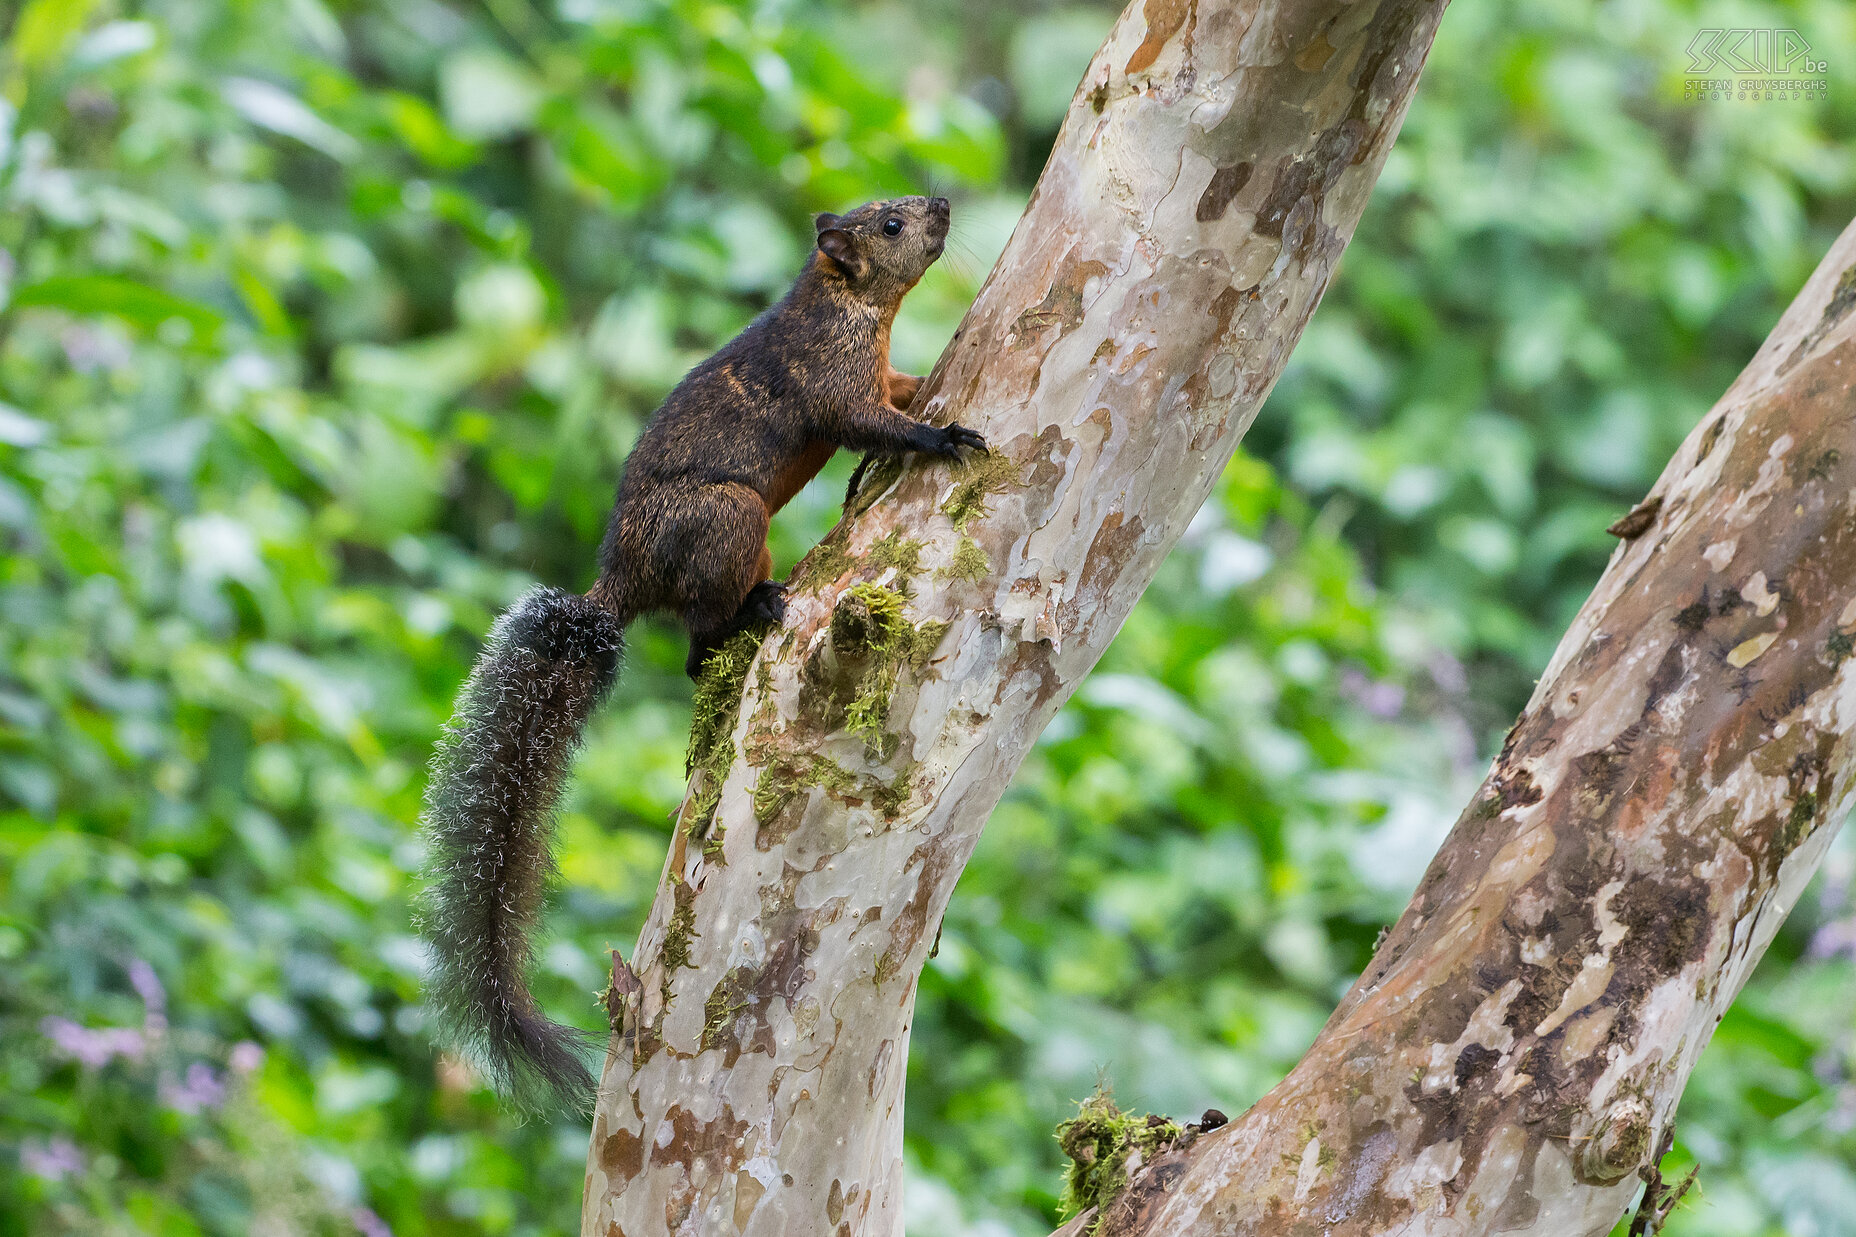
736 439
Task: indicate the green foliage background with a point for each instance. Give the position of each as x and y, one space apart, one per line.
324 326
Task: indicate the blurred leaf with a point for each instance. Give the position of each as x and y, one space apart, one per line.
137 303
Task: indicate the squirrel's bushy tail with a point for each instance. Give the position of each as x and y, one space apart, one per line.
489 823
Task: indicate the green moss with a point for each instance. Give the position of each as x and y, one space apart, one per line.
780 783
884 607
865 715
718 699
712 840
888 797
1798 823
679 932
873 640
924 640
719 1012
1099 1139
710 776
982 476
967 500
827 561
775 790
895 550
969 562
713 708
879 628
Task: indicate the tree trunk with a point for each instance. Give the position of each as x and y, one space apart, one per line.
1512 1058
1210 172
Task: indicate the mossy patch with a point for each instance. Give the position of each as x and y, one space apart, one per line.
888 797
1843 298
827 560
712 840
969 562
780 783
719 1012
873 623
709 778
712 721
865 716
879 628
1099 1140
869 626
981 477
924 640
895 550
679 932
718 698
1798 823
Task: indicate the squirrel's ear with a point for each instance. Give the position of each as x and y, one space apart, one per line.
836 244
825 220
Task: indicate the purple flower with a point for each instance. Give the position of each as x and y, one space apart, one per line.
200 1090
147 985
1380 699
368 1224
245 1057
96 1047
1834 939
51 1161
88 349
1448 673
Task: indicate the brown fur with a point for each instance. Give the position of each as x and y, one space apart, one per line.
802 469
746 429
731 445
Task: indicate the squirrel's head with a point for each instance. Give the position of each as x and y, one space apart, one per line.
882 248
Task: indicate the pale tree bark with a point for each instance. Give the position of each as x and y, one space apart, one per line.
1511 1060
1208 176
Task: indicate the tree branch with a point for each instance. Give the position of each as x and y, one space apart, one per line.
1516 1049
1210 172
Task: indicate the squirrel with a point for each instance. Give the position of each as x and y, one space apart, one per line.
731 443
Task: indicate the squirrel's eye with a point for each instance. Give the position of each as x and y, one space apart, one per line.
892 227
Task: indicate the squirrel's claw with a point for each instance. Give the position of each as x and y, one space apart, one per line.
959 436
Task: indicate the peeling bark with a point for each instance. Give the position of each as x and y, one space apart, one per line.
1210 171
1512 1058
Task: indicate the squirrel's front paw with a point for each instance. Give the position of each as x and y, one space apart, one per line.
955 437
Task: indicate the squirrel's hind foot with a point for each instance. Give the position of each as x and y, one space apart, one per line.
765 603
